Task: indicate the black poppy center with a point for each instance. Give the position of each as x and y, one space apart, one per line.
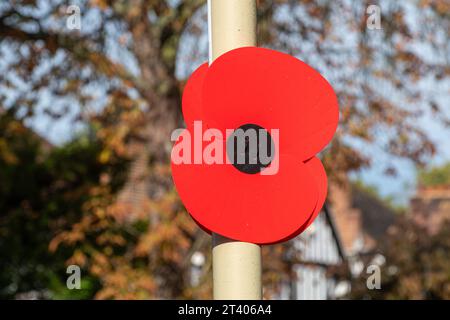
250 148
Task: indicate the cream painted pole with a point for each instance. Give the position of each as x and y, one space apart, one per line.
236 265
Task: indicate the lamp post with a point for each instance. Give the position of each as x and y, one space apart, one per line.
236 264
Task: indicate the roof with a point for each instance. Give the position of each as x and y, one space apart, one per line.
376 216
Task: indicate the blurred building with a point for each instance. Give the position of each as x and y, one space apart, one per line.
322 254
339 244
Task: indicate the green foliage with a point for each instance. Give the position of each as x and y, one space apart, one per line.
436 176
58 289
41 191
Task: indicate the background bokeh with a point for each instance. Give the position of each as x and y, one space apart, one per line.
85 122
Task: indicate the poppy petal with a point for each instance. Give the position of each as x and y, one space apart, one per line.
275 91
192 96
317 170
247 207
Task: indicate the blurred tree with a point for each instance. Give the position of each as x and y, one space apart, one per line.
416 252
435 176
122 71
417 266
24 236
43 190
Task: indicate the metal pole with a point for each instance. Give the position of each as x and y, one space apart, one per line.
236 265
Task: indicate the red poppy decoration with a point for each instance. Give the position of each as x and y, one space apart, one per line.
296 110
